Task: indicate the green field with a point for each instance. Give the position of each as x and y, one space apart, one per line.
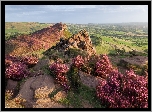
109 43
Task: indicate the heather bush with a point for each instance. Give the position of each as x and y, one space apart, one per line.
9 59
136 88
8 62
123 91
60 70
78 62
103 67
30 61
16 71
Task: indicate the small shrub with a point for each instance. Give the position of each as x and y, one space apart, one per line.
60 70
16 71
9 59
73 74
92 62
78 61
67 34
74 78
103 66
8 95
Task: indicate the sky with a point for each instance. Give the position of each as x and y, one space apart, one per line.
80 14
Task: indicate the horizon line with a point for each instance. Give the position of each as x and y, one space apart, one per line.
70 23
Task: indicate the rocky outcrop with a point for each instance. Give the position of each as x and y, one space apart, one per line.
29 90
81 41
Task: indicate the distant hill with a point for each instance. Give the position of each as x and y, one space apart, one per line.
13 29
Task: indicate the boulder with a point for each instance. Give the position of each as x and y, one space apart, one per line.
30 87
89 80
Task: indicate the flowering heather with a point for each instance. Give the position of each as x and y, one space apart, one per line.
103 67
16 71
30 61
78 61
123 91
9 59
60 70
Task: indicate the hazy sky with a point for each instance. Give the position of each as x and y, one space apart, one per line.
76 13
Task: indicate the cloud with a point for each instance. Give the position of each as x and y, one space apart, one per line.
66 7
122 8
11 8
24 16
134 7
104 8
32 13
22 10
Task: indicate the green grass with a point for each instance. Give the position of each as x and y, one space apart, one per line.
76 99
103 49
